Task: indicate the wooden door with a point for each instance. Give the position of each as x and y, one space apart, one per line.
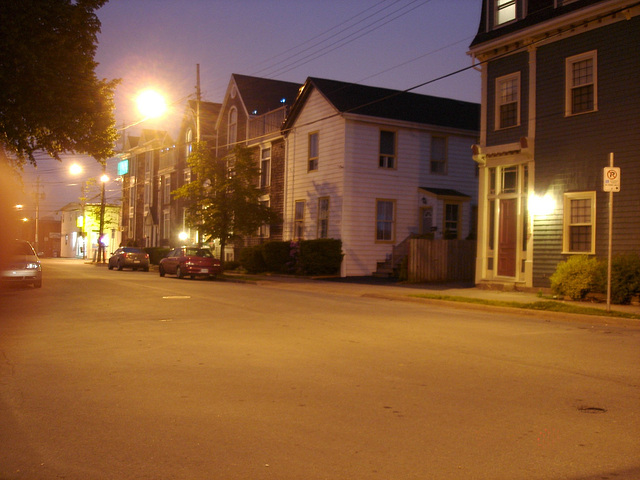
507 238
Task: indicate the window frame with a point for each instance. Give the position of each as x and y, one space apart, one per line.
499 101
265 172
323 218
388 160
506 4
232 127
446 221
313 156
392 222
567 222
298 219
569 84
445 161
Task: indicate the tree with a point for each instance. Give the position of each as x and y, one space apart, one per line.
50 96
225 199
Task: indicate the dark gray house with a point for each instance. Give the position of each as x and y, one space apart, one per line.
560 92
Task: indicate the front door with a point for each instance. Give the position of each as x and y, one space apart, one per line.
507 238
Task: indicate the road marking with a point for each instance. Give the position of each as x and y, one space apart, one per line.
176 297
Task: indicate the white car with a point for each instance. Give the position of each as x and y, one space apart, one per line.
23 266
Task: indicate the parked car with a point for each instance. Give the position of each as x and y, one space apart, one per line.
190 261
22 266
129 257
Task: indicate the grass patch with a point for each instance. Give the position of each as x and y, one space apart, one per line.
548 305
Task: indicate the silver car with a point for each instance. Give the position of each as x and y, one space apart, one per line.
23 266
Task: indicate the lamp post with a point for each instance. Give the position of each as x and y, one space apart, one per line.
103 180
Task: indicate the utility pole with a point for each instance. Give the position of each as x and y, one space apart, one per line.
38 196
198 98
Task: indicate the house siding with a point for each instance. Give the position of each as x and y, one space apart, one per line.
572 151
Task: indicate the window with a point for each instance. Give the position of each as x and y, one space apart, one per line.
508 101
167 189
323 217
509 182
313 152
232 131
188 140
387 149
265 167
439 155
451 220
186 175
581 84
166 224
299 220
264 231
385 220
505 11
579 222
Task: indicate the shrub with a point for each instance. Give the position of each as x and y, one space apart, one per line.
276 256
156 254
252 260
575 277
320 257
231 265
625 277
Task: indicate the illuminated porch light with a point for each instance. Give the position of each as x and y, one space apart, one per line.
541 206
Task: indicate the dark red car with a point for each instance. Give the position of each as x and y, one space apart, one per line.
190 261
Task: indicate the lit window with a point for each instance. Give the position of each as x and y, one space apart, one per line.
508 101
385 220
387 149
505 11
579 222
581 81
313 152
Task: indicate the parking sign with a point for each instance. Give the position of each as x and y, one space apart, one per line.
611 178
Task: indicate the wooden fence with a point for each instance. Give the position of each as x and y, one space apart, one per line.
441 260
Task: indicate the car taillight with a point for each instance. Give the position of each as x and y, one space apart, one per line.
146 255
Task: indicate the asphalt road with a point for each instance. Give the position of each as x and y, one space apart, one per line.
126 375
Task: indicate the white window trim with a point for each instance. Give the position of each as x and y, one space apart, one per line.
386 158
566 221
496 15
266 177
313 160
498 102
393 220
569 61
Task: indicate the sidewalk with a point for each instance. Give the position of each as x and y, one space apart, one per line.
393 290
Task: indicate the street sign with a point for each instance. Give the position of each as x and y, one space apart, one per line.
611 179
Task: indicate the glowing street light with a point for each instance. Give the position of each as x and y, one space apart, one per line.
75 169
151 104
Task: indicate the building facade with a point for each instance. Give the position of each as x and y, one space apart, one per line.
373 167
559 95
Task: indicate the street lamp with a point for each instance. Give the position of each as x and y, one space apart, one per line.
151 103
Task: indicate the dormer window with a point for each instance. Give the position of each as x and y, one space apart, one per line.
232 132
505 11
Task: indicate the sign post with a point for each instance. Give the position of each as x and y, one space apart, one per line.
611 183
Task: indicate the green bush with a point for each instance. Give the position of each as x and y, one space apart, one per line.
252 259
277 256
156 254
625 277
575 277
320 257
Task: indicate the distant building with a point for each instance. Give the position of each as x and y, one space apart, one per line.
560 92
80 230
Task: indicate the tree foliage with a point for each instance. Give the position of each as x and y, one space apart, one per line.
225 200
50 96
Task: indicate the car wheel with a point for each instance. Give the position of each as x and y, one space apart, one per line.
110 266
120 266
38 283
179 273
161 270
145 269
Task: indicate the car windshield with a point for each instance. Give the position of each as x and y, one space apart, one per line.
22 248
131 250
198 252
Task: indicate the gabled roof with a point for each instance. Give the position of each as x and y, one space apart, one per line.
261 95
390 104
209 112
